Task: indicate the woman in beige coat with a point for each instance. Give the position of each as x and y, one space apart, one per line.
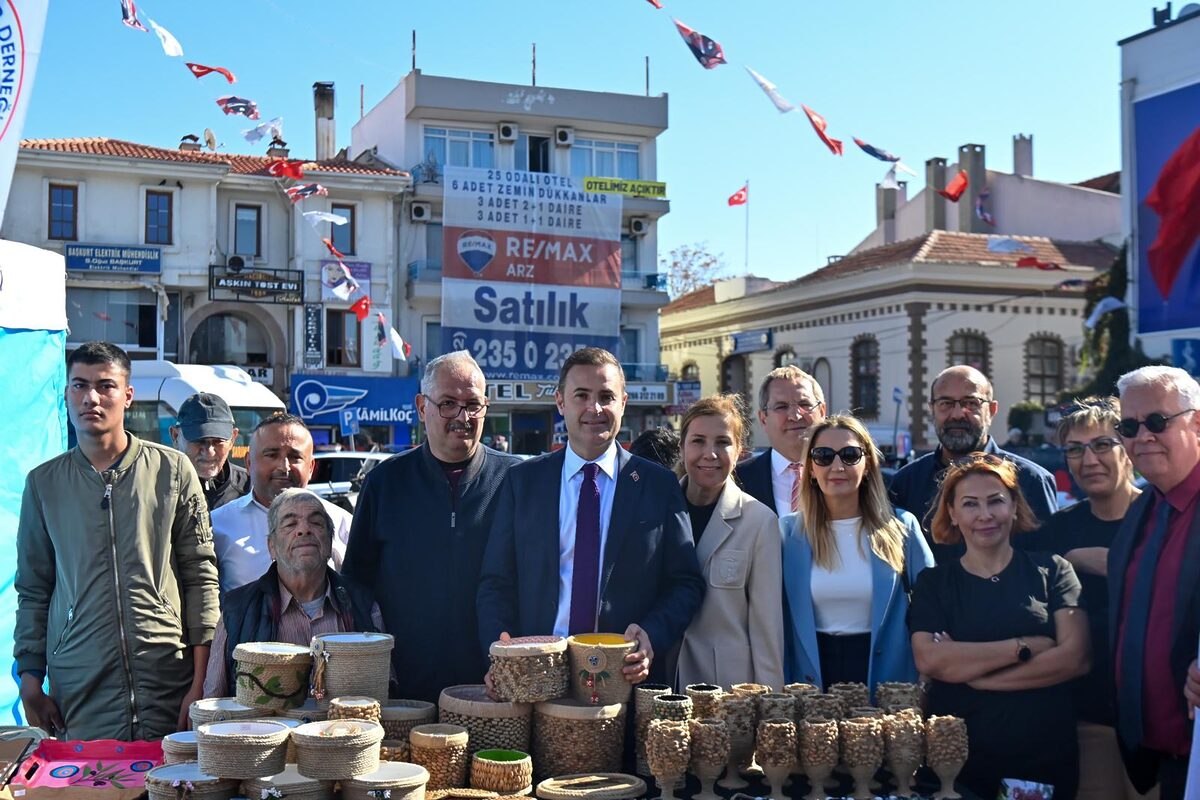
737 636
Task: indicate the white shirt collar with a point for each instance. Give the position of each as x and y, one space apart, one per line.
779 464
246 501
607 462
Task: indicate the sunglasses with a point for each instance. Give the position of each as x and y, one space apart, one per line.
823 456
1154 422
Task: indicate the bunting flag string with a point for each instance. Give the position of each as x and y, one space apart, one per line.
282 168
315 218
1036 263
707 51
818 123
1107 305
272 128
170 44
955 188
130 17
772 92
980 210
200 70
232 104
298 193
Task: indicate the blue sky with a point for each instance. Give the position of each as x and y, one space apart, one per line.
918 78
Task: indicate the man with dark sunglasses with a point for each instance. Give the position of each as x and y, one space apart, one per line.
1154 579
420 528
962 403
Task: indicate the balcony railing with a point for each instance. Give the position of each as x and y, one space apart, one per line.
424 271
645 372
653 281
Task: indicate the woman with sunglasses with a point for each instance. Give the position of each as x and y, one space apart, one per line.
1001 634
848 562
1082 535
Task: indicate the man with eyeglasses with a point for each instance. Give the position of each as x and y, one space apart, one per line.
1083 534
420 528
790 403
1154 579
962 403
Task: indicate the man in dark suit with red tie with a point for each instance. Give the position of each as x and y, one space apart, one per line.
591 538
1154 579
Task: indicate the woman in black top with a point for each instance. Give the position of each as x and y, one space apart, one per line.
1001 634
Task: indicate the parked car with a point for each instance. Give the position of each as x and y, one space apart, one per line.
338 476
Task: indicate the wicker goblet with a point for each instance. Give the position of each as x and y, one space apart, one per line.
710 752
946 751
896 694
904 749
776 705
816 705
819 753
706 699
862 752
668 750
676 707
852 695
798 690
643 709
738 713
776 752
861 712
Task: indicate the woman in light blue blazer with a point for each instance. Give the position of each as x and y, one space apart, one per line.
849 562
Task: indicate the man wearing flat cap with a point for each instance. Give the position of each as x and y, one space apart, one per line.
206 433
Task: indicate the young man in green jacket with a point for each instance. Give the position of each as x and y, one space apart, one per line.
116 575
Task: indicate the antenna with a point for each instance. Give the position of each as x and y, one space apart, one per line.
535 63
647 76
414 49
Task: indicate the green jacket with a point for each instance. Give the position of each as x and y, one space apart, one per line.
111 593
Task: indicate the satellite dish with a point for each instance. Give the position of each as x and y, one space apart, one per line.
210 139
1188 10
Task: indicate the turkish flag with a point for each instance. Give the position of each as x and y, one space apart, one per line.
740 197
282 168
200 70
818 123
1175 197
1037 263
333 251
955 188
654 3
361 307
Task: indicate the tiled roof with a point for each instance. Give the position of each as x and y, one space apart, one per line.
1110 183
237 164
946 247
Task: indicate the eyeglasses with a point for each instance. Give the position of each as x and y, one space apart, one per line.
1074 452
448 409
970 404
850 455
803 408
1154 422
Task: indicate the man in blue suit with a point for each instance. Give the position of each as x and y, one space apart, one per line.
790 403
591 538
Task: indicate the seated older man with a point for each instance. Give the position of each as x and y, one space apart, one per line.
298 596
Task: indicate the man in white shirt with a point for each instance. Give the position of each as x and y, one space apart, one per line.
790 403
281 457
591 538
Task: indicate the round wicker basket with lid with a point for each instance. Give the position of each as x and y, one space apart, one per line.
337 750
179 748
242 748
292 724
287 785
187 782
592 786
441 749
394 780
504 771
222 709
272 674
530 669
596 663
351 664
491 724
570 737
355 708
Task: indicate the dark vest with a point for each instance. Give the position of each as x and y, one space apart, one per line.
251 613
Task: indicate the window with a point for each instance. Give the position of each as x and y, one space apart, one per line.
128 318
864 377
460 148
158 217
970 349
247 230
433 340
343 236
63 217
433 246
690 372
341 339
591 157
629 259
1043 369
630 347
229 339
533 153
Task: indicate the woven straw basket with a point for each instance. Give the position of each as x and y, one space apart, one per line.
242 749
354 708
492 725
272 674
179 748
596 663
503 771
571 737
460 793
223 709
441 749
310 711
351 664
291 725
393 780
592 786
337 750
530 669
287 785
187 782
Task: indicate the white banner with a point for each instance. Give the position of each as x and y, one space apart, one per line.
22 23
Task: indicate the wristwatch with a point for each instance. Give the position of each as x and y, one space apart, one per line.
1023 651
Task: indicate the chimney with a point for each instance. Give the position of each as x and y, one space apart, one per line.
323 106
277 150
1023 155
885 211
971 158
189 143
935 205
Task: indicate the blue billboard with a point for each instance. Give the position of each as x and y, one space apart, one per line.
114 258
1162 126
320 399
